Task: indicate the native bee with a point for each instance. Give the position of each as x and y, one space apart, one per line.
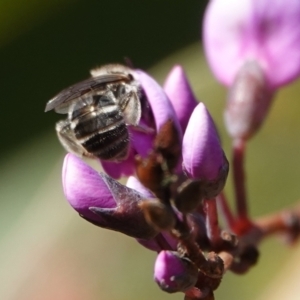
99 110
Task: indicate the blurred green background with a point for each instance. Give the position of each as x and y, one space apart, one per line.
46 250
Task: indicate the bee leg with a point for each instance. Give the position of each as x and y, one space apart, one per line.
68 140
131 107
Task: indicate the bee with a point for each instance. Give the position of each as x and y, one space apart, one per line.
99 111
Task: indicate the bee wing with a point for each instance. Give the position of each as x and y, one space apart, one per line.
62 101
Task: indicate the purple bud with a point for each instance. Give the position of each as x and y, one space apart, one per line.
103 201
202 153
160 104
203 160
238 31
181 95
84 187
174 273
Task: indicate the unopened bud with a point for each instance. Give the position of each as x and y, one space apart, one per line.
212 188
203 157
248 101
191 193
103 201
174 273
180 93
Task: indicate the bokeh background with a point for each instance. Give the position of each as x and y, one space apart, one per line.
46 250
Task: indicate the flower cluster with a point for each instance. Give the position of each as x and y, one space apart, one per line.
176 167
162 204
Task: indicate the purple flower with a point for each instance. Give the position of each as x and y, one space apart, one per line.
268 33
181 95
174 273
202 153
84 187
142 142
203 161
150 208
103 201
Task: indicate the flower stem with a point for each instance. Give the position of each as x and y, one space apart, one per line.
285 222
239 179
211 220
226 212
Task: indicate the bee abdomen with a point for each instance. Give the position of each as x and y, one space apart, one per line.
95 121
111 144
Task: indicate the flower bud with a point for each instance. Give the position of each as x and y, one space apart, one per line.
180 94
174 273
103 201
202 152
160 104
203 157
248 102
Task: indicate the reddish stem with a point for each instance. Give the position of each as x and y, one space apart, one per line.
211 219
225 210
239 179
287 221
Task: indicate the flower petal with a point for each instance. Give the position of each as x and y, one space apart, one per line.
104 201
141 142
201 149
120 169
236 31
84 187
160 104
135 184
180 94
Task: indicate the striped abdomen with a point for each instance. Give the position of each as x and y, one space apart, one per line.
100 128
